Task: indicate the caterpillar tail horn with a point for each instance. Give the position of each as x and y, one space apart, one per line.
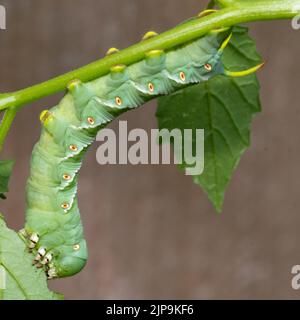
225 43
237 74
220 30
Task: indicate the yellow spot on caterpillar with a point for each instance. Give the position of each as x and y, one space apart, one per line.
112 51
149 35
154 53
182 76
73 147
45 115
151 87
65 205
76 247
118 101
73 84
208 67
91 120
66 177
118 68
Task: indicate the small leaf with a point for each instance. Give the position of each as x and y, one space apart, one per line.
6 167
19 279
224 108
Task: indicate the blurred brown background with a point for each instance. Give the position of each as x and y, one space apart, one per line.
151 232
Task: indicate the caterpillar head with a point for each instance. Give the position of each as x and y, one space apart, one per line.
72 260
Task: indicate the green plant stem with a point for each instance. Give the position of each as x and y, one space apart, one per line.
240 13
6 123
227 3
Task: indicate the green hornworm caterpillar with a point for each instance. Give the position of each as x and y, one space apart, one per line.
53 225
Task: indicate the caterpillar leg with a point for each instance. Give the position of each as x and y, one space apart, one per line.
47 258
200 15
33 240
43 260
149 35
243 73
219 30
51 273
112 51
206 12
40 254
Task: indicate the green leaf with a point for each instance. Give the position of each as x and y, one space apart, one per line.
224 108
6 167
19 279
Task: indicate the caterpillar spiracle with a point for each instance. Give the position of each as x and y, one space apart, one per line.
53 227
